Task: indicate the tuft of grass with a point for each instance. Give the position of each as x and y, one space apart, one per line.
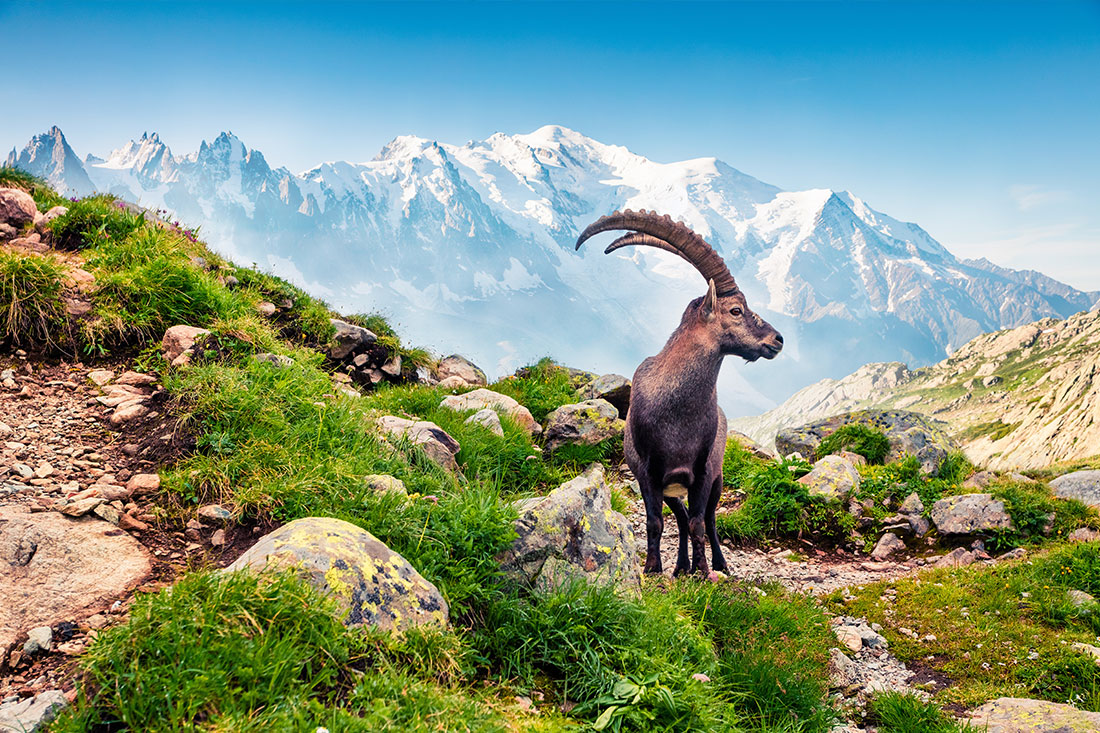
774 503
1036 514
865 440
897 713
994 430
98 218
31 309
544 388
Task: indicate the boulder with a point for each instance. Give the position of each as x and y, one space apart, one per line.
461 367
440 447
751 445
1084 486
967 513
348 339
572 533
1021 715
371 583
384 484
453 382
887 545
583 423
32 714
177 343
909 433
487 419
957 558
832 477
614 388
480 399
56 568
17 208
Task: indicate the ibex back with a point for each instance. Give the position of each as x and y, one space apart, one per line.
675 433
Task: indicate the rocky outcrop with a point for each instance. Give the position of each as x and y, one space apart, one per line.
440 447
480 399
371 583
573 532
55 568
909 433
614 388
1084 486
461 367
348 339
832 477
584 423
17 208
751 445
1021 715
969 513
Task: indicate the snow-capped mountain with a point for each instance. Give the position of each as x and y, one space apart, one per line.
470 248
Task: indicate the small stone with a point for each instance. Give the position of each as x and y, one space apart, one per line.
488 419
275 360
44 470
107 513
143 483
81 507
912 505
32 714
850 637
382 483
887 545
218 538
100 377
131 524
1080 598
177 343
23 470
39 639
215 513
136 379
266 309
1084 534
128 412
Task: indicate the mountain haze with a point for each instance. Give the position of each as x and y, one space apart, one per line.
470 249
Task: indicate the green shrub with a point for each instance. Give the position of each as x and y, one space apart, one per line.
773 505
94 219
544 388
867 441
31 309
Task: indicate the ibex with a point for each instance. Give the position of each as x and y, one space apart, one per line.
675 433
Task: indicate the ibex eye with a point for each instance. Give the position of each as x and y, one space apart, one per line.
736 311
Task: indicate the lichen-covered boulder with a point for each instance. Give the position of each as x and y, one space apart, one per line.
371 583
1084 486
832 477
615 388
573 532
968 513
348 339
461 367
909 433
1021 715
17 208
583 423
436 443
480 399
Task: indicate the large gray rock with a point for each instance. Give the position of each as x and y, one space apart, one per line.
348 339
583 423
909 433
429 437
480 399
832 477
371 583
615 388
573 532
1021 715
33 713
17 208
967 513
55 568
1084 486
461 367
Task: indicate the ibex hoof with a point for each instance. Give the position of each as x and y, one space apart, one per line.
676 491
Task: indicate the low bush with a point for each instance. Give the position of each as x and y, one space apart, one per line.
867 441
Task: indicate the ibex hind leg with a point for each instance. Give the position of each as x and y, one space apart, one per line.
654 523
680 512
717 560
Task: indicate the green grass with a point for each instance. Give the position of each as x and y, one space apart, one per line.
994 430
1002 630
894 712
867 441
380 326
544 387
31 309
1036 514
94 219
45 198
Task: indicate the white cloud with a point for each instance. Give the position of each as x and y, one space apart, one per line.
1028 197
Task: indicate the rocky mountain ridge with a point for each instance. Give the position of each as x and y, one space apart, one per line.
457 241
1021 398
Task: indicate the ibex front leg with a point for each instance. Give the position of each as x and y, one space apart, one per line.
697 512
654 522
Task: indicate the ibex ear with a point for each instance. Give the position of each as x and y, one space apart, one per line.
710 303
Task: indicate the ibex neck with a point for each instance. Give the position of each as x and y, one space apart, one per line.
696 363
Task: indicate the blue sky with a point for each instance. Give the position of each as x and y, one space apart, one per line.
979 121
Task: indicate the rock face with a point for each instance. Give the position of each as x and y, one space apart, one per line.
461 367
832 477
572 532
32 714
56 567
177 343
909 433
1084 486
615 388
583 423
751 445
348 338
432 439
480 399
372 584
969 513
17 208
1020 715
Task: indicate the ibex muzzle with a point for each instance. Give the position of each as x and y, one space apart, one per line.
675 433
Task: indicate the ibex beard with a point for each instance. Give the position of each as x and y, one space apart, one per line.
675 432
